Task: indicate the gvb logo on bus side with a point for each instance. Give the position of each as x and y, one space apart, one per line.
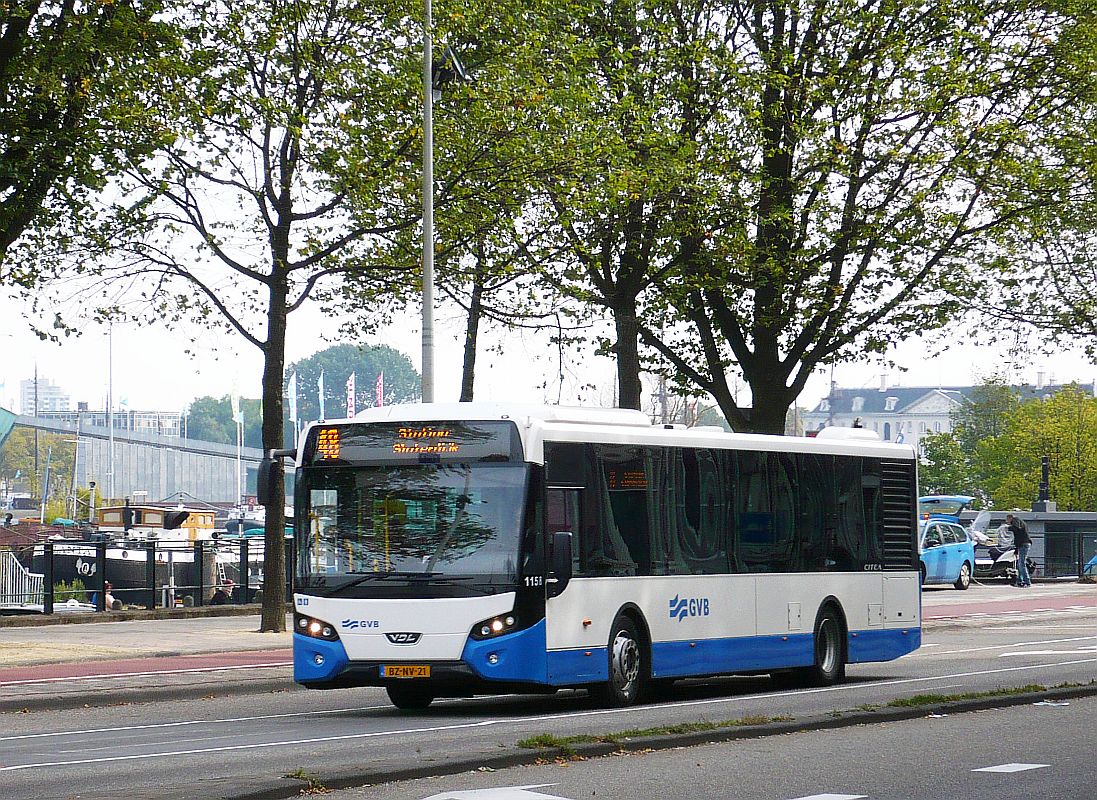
682 607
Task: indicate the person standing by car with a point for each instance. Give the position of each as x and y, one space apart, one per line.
1022 542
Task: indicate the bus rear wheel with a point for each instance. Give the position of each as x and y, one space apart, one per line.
409 697
628 667
830 656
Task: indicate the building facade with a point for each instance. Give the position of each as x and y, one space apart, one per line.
906 414
39 395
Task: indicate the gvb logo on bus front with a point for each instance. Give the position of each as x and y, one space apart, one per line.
352 624
682 607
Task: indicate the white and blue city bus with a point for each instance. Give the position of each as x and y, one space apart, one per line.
455 549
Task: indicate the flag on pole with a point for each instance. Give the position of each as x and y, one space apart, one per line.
291 390
380 390
350 396
237 412
320 388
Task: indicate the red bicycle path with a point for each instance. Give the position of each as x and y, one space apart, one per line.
1020 604
146 666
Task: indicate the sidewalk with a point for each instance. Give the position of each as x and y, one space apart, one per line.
102 659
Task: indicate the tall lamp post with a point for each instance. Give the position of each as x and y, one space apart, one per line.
428 209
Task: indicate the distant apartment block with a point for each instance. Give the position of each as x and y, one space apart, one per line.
39 395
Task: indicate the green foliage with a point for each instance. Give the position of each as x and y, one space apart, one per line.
401 381
998 442
767 191
944 469
209 419
17 457
75 590
1062 427
79 100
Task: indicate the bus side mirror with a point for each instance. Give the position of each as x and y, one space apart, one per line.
264 480
268 474
561 563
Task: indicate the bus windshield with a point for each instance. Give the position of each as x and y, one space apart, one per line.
421 522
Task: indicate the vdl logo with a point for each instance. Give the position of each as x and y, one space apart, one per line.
682 607
351 624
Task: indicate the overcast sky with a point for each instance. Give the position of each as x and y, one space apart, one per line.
152 371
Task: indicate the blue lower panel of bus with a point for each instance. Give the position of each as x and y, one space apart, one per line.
317 659
518 656
882 645
711 656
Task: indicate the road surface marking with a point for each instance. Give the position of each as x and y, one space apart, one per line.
500 793
832 797
1011 768
487 723
1079 652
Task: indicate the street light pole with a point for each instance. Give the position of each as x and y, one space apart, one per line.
428 209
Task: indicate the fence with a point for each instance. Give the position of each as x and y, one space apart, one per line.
1069 554
59 575
19 587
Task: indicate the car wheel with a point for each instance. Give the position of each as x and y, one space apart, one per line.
628 666
964 580
409 697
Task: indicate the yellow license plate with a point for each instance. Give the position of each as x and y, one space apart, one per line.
405 670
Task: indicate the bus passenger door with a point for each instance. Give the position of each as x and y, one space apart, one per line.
561 516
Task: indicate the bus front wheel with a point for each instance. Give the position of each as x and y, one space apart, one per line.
409 697
628 666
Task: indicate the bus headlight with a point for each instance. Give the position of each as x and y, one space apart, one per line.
496 626
316 628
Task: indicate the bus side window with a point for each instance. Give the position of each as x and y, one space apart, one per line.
562 514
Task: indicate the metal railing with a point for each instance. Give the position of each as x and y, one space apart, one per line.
68 575
19 587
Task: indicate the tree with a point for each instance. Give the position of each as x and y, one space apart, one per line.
294 125
25 456
401 381
1062 427
79 98
874 147
209 419
944 468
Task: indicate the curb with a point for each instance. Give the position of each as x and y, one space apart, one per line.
348 779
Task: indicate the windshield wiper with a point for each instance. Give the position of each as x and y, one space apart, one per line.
431 577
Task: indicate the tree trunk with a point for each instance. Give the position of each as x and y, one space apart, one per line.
770 404
628 357
472 329
274 559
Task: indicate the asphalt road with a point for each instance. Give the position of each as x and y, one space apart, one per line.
274 741
991 755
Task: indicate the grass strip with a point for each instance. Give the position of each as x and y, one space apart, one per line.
564 744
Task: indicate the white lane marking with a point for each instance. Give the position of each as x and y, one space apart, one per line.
32 681
183 723
1015 644
1011 768
1079 651
499 793
543 718
832 797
